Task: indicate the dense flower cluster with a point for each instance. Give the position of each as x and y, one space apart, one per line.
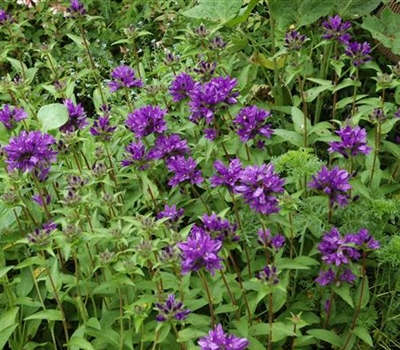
167 146
267 240
334 183
147 120
76 8
294 40
102 128
206 98
124 77
41 236
259 185
171 309
184 169
359 53
340 251
336 29
77 117
353 142
10 116
199 251
5 18
220 228
136 155
251 122
227 176
269 275
171 213
31 151
181 87
218 340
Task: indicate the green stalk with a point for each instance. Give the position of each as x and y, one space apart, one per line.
208 293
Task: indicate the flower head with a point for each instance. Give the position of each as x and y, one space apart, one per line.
199 251
334 183
363 240
218 340
206 99
147 120
336 29
268 274
5 18
9 117
227 176
136 155
359 53
219 228
77 117
184 170
353 142
76 8
217 43
294 40
268 241
124 77
171 309
102 129
31 151
258 185
167 146
41 236
171 213
252 122
181 87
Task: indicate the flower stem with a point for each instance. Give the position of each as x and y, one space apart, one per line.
203 279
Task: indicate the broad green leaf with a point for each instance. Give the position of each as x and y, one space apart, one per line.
290 136
8 318
5 334
81 343
77 40
346 8
344 292
190 333
49 315
4 270
327 336
364 335
52 116
244 14
225 309
17 65
215 10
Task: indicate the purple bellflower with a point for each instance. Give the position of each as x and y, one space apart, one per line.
171 309
220 228
227 176
31 151
76 8
77 117
218 340
336 29
5 18
269 275
353 142
184 170
252 122
136 156
205 99
171 213
181 87
102 129
258 185
334 183
10 116
294 40
167 146
124 77
269 241
147 120
359 53
199 251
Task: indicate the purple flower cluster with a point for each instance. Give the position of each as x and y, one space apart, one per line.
136 155
102 128
252 122
358 53
227 176
171 213
124 77
76 8
336 29
294 40
31 151
340 251
218 340
77 117
184 169
147 120
334 183
267 240
181 87
258 185
353 142
220 228
41 236
269 275
5 18
167 146
199 251
171 309
10 116
206 98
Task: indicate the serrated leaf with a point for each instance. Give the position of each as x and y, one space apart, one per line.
52 116
215 10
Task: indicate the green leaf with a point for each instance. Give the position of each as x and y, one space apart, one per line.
215 10
365 292
16 64
244 14
327 336
344 292
189 334
7 319
5 334
77 40
81 343
355 7
290 136
4 270
364 335
225 309
49 315
52 116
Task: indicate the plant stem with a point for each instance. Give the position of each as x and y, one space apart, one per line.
378 131
270 319
203 279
